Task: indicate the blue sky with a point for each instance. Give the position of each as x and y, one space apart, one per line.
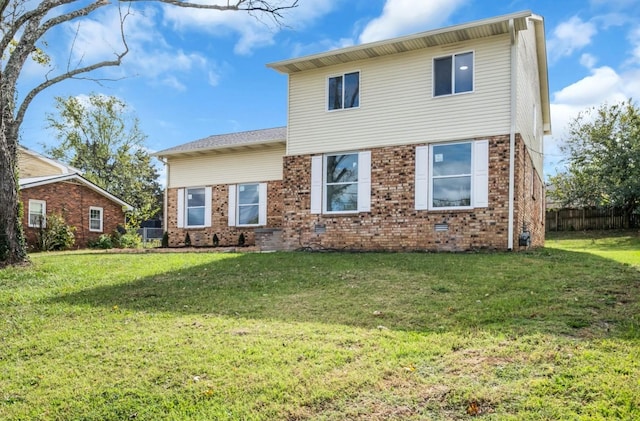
195 73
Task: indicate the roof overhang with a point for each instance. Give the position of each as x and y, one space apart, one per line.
543 74
175 152
449 35
26 183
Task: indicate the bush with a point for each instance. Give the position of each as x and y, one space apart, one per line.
103 242
165 239
130 240
56 234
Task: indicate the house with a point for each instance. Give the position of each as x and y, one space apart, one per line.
49 187
431 141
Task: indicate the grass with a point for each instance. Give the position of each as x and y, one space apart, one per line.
546 334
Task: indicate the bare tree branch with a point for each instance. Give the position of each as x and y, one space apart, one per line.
239 5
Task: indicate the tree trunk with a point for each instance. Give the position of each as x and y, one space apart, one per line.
12 245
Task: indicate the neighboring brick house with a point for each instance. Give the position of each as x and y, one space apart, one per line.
49 187
431 141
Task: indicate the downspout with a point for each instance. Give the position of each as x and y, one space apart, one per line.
512 135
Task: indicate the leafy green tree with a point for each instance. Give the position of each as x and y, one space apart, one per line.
24 25
603 159
102 138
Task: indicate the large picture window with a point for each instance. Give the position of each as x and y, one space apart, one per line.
344 91
248 204
451 175
37 213
453 74
341 183
195 207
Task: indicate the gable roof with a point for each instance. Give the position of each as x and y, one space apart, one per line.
61 166
26 183
240 140
448 35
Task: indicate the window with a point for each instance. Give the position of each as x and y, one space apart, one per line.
452 175
194 207
37 213
341 183
344 91
248 204
95 219
453 74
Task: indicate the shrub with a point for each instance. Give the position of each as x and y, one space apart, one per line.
55 234
103 242
187 240
165 239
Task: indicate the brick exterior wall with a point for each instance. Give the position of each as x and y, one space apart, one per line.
72 201
227 236
394 224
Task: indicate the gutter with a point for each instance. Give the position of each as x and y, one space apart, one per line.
512 135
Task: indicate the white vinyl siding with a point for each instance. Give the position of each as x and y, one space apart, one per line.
239 166
528 111
191 211
397 106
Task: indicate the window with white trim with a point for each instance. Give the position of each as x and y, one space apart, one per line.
341 183
452 175
95 219
248 204
194 207
343 91
37 213
453 74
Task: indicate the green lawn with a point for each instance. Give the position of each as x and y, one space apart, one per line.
545 334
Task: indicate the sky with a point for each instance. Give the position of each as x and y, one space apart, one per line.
190 74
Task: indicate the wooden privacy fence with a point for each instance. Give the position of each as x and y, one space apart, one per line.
588 219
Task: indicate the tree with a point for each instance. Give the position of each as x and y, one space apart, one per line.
102 138
603 159
23 26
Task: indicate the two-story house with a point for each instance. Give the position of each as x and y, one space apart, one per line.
431 141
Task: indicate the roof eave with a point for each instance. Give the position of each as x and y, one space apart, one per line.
231 147
404 43
543 73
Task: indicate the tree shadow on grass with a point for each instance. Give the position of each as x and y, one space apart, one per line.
548 291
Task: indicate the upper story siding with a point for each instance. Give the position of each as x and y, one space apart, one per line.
397 105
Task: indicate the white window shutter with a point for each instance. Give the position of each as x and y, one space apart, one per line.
422 177
481 173
364 181
232 205
207 206
180 208
262 204
316 184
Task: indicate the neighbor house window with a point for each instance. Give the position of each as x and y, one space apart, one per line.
452 175
194 207
341 183
95 219
453 74
37 213
344 91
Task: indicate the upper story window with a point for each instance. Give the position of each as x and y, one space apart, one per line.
95 219
344 91
37 213
453 74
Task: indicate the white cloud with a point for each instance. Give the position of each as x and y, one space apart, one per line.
400 17
570 36
604 84
588 60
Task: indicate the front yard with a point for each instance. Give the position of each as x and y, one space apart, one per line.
546 334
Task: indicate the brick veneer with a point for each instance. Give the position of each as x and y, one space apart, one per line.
394 224
227 236
72 201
